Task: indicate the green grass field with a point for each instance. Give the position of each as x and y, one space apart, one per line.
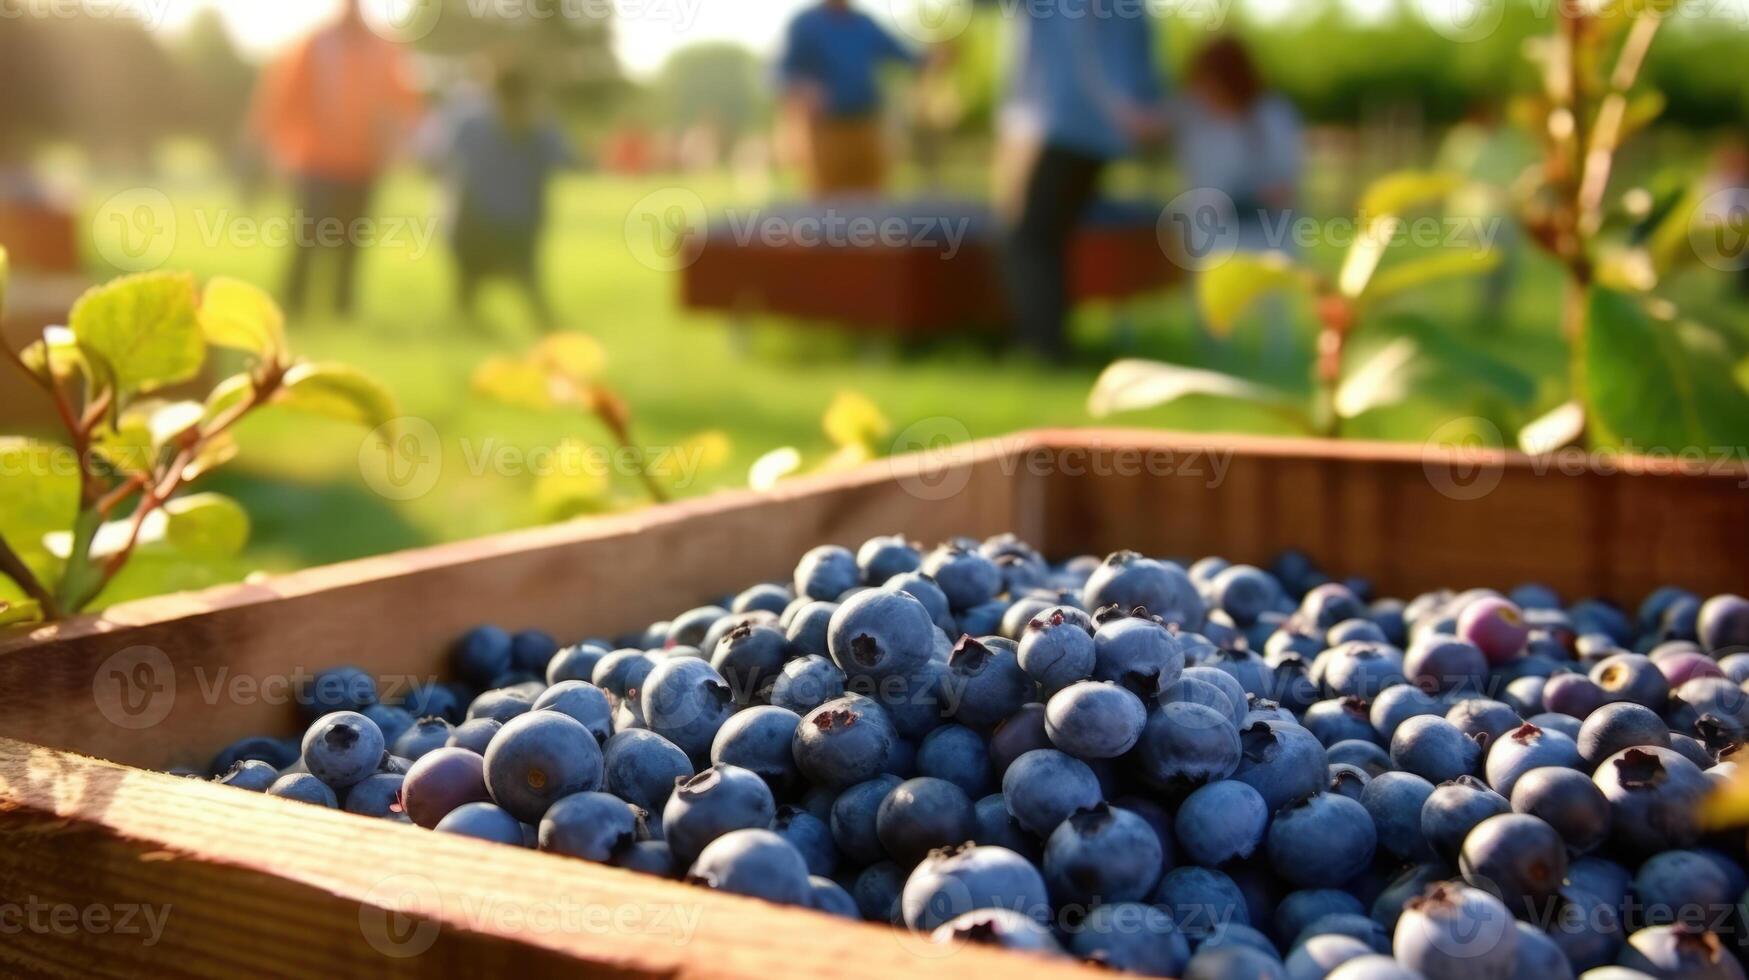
300 477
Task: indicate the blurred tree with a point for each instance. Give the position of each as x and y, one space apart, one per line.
570 46
102 83
719 83
219 79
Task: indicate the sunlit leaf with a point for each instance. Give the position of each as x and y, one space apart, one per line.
140 330
515 382
576 357
169 422
206 525
128 446
768 469
57 351
1386 378
1664 385
1423 271
696 454
1225 291
241 316
111 537
572 487
215 452
1562 427
1133 385
1453 364
229 393
339 392
39 488
845 458
1404 191
16 612
853 420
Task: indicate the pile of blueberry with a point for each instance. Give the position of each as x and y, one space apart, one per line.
1212 772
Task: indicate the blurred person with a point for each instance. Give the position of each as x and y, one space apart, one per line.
332 111
496 153
829 70
1084 91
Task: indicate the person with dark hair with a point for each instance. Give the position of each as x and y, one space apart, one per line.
829 70
1084 91
332 111
496 152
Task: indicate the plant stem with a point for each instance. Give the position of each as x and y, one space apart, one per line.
14 568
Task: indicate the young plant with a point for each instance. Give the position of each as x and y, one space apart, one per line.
1353 304
74 511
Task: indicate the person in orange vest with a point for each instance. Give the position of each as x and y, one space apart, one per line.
332 111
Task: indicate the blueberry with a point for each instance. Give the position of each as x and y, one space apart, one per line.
481 655
501 704
1366 756
1357 631
1128 580
810 836
881 558
531 651
1572 694
592 826
378 795
1017 735
1496 626
1318 956
764 597
1056 651
755 617
881 633
538 758
426 735
440 782
876 891
249 774
1245 593
1044 786
922 814
985 683
1632 677
924 589
754 862
997 827
1200 899
1682 886
338 689
805 683
277 753
1298 910
582 702
1525 748
1233 963
749 658
959 755
1453 810
622 670
1001 928
965 576
759 740
685 701
484 821
1184 745
1104 854
1415 879
1251 671
1566 800
1349 925
1457 933
1219 679
826 572
844 742
854 821
1321 841
304 788
1358 669
1478 717
342 748
1137 653
651 857
1339 719
1221 822
1094 720
1132 937
1654 798
1438 662
1282 762
1326 605
1711 708
1565 724
1395 801
1517 858
474 735
712 803
1346 780
807 629
916 703
1680 951
1618 726
1723 624
955 881
1234 934
1434 749
1262 709
1373 967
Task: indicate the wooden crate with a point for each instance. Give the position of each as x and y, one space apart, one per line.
260 885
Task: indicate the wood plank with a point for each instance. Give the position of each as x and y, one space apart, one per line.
245 884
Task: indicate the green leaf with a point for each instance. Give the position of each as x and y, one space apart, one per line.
1385 378
206 525
167 422
1452 364
1419 272
567 491
1406 190
1659 384
229 393
337 391
18 611
241 316
1132 385
57 353
853 420
39 488
140 331
1227 290
128 447
519 383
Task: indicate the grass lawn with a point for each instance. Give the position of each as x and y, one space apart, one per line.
300 478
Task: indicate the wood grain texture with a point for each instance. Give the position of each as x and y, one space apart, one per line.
247 885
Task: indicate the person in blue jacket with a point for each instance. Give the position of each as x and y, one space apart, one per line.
830 73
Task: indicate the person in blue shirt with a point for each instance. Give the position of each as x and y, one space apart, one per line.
830 72
495 153
1084 91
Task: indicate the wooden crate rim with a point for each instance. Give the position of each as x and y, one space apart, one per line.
1010 448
